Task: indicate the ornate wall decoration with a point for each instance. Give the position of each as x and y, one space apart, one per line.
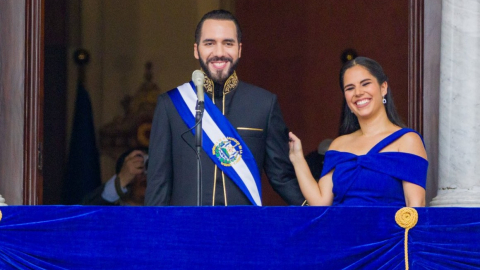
132 129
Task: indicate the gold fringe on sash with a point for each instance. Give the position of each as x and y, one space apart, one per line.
406 218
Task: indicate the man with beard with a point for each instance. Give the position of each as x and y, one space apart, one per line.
243 131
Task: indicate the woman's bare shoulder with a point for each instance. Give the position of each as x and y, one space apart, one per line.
412 143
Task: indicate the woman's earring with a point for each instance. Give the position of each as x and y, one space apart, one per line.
384 100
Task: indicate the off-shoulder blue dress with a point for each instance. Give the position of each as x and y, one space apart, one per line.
375 178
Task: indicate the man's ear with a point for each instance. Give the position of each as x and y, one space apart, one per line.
195 51
239 50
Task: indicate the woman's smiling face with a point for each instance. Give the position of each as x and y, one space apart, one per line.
362 91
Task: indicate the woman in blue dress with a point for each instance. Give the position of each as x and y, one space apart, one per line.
377 161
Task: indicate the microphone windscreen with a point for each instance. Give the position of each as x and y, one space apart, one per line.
198 78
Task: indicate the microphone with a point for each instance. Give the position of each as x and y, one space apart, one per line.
198 79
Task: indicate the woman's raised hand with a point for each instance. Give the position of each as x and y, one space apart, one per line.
296 151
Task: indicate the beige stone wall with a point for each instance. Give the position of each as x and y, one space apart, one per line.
121 36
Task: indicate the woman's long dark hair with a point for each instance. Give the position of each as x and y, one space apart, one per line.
349 122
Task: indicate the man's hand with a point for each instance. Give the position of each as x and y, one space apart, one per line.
133 165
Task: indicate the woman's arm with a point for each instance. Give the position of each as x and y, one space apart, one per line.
414 194
316 194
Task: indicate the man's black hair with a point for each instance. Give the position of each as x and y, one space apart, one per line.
219 14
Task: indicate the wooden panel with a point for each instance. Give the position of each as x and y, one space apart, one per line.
33 133
12 66
431 82
55 92
415 65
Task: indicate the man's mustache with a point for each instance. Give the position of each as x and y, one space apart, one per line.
220 58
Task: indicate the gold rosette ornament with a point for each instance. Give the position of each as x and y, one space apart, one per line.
406 218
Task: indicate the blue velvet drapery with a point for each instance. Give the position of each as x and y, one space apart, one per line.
89 237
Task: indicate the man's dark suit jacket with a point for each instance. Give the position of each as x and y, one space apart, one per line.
172 170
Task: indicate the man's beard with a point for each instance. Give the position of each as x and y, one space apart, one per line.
219 77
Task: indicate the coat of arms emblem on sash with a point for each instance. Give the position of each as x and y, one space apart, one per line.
228 151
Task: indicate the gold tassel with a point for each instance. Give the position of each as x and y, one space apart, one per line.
406 218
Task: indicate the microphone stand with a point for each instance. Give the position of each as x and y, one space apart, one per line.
198 143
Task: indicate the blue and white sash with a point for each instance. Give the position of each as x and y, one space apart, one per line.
221 141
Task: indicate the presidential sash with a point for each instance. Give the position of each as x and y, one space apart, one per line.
221 141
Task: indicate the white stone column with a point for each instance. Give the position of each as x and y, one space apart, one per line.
459 119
